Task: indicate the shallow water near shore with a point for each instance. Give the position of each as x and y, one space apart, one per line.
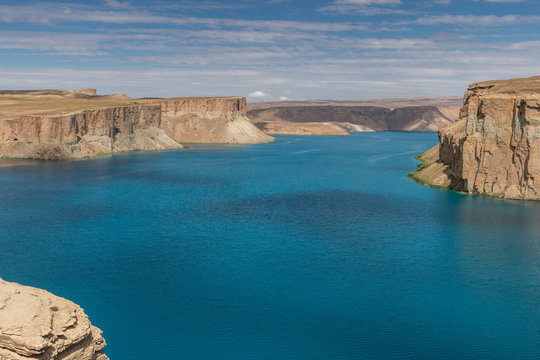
308 248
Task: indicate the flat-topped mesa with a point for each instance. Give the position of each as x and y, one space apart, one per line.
209 120
341 118
35 324
494 148
62 124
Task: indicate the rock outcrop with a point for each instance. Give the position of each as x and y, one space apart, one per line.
86 133
209 120
494 148
63 124
35 324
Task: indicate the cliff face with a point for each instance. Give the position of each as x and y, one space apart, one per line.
84 134
58 124
35 324
494 148
215 120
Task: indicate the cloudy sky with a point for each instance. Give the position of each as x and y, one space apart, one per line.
268 49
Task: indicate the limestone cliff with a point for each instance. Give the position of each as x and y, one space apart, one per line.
35 324
85 133
209 120
61 124
494 148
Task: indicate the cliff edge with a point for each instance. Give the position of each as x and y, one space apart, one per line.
35 324
64 124
209 120
494 147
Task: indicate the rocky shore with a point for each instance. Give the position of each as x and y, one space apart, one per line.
494 147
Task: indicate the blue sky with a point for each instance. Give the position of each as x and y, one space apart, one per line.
268 49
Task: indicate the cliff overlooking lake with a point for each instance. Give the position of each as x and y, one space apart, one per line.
494 148
308 248
62 124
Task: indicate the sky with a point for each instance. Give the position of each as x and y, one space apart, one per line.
268 49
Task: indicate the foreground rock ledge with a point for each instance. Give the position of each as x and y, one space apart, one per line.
35 324
494 147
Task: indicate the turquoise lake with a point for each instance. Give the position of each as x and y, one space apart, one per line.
308 248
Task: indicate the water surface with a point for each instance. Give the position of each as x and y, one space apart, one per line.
309 248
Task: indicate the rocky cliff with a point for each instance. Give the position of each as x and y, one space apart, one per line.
209 120
60 124
85 133
35 324
494 148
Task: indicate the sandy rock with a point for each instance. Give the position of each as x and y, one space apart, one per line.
35 324
494 148
209 120
85 133
64 124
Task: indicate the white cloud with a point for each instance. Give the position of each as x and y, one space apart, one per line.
283 98
365 7
259 95
429 71
54 12
224 56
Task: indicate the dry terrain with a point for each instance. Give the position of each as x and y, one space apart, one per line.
35 324
325 117
388 103
60 124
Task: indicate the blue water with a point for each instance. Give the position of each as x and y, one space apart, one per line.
309 248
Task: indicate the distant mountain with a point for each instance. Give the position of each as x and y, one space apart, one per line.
327 117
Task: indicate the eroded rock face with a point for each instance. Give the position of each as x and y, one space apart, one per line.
210 120
60 124
85 133
35 324
494 148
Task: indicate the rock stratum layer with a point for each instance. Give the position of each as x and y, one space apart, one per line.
341 118
59 124
209 121
35 324
494 148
